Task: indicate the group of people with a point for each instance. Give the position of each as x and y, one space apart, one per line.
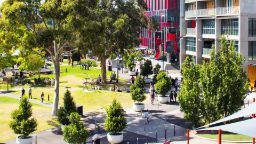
30 94
85 67
173 94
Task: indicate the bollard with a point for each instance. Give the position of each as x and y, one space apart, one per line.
219 136
174 131
248 102
36 139
253 140
188 136
156 136
165 131
137 140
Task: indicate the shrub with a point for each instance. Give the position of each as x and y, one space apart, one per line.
75 132
23 123
163 84
137 94
115 121
146 68
91 63
67 109
140 82
156 71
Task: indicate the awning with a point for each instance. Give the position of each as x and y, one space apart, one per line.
247 127
142 48
251 109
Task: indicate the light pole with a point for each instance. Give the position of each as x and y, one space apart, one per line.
162 36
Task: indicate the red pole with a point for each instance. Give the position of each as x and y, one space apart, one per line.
253 141
219 136
188 136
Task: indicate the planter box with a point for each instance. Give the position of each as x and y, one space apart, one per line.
115 139
162 99
138 107
28 140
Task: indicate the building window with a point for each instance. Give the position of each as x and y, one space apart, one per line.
229 26
252 27
191 44
252 50
208 27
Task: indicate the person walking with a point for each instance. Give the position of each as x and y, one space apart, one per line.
22 92
171 97
175 96
152 93
30 93
42 97
132 79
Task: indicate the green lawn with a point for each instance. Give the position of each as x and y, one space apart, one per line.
229 137
7 105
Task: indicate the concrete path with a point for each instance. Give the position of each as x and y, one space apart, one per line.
31 100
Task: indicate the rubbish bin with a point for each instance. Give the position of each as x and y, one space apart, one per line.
109 68
79 110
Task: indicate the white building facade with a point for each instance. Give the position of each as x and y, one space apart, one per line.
203 22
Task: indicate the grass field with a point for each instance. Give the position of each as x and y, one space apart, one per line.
7 105
229 137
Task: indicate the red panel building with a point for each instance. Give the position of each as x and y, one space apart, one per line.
166 13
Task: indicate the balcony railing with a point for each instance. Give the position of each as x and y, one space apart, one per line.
190 1
191 31
228 10
190 13
207 51
205 12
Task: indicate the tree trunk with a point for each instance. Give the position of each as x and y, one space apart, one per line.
56 88
103 69
57 80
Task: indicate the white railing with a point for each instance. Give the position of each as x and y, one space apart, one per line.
228 10
207 51
191 31
190 13
190 1
205 12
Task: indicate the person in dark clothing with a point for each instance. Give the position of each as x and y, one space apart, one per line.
30 93
42 97
171 97
132 79
137 72
22 92
175 96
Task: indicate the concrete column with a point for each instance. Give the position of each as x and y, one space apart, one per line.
182 32
199 42
217 34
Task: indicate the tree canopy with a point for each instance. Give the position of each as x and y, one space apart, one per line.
215 89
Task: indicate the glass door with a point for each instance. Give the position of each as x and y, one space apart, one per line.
229 5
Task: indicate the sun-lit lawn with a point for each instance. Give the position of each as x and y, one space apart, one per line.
229 137
7 105
97 100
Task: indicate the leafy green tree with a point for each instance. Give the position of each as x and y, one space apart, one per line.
67 109
48 25
224 83
138 94
139 82
31 61
215 89
189 95
147 68
22 122
163 84
75 132
114 29
115 121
